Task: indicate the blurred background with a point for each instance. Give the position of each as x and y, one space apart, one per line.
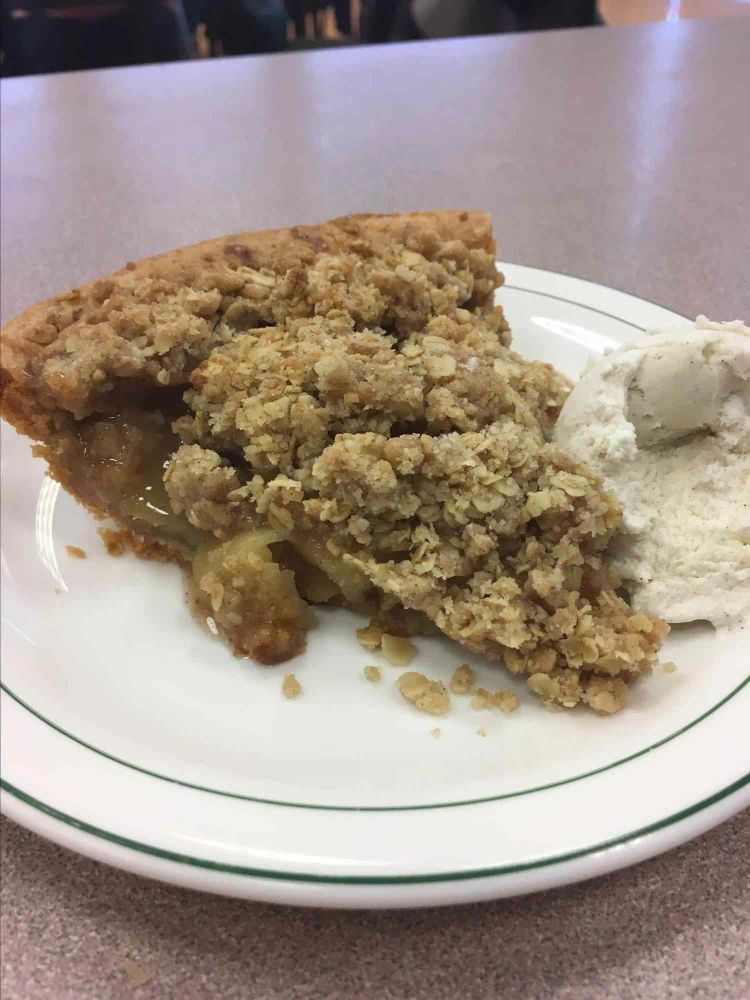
52 36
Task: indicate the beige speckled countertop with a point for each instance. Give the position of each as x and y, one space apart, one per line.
618 155
676 927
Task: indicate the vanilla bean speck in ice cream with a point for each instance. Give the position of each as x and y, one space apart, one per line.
666 421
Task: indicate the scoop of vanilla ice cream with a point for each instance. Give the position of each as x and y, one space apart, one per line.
666 421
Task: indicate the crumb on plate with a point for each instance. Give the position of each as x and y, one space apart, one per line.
506 701
669 667
481 732
398 650
462 680
372 673
370 637
426 695
290 686
437 733
75 551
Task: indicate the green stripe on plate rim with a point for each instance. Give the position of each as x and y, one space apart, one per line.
421 879
583 305
373 809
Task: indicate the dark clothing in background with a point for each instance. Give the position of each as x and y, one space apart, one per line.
201 11
378 20
343 9
247 27
297 10
143 31
195 11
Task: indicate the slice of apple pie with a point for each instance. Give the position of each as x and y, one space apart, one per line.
333 414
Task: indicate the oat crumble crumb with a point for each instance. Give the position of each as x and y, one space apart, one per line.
75 551
290 686
669 667
437 733
426 695
481 732
462 680
506 701
372 674
398 650
370 637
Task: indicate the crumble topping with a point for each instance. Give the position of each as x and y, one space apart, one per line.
353 428
372 673
394 621
155 321
477 521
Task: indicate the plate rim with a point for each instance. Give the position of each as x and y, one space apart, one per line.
591 284
423 878
618 852
602 312
422 807
353 895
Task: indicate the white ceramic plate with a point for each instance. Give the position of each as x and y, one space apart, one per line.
131 736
